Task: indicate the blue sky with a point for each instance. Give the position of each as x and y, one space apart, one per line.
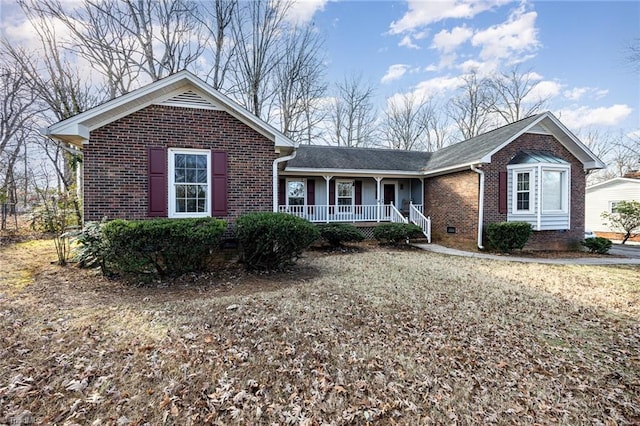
575 48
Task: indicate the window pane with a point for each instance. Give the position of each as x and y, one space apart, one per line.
191 176
523 201
344 201
181 205
192 160
201 176
180 175
201 162
191 205
345 189
180 160
200 206
296 201
295 189
552 185
523 181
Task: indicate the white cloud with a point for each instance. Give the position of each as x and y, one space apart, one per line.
602 116
544 89
302 11
394 72
422 13
517 35
481 68
435 86
407 41
448 41
578 93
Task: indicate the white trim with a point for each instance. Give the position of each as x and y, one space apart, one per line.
514 189
156 92
353 191
612 181
352 172
395 191
480 206
566 174
172 213
304 190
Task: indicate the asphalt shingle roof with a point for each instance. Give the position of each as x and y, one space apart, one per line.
461 153
337 157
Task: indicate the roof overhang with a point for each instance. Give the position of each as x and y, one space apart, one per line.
551 124
303 171
613 182
76 130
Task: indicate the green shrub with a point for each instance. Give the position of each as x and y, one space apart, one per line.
161 246
597 245
339 233
91 248
273 241
506 236
394 233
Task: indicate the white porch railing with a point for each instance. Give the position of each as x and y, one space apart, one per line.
355 213
416 217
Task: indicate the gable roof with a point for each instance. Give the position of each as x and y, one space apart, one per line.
180 89
614 181
479 149
460 156
331 159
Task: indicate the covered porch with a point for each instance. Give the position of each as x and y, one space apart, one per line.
354 199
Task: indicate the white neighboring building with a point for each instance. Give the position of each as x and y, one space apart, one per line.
603 197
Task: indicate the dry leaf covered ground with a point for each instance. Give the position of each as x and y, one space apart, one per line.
381 337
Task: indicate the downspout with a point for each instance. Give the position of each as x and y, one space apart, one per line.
480 206
275 175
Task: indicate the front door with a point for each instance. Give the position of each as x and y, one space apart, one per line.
389 192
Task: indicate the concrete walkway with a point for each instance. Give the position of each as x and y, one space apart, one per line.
512 258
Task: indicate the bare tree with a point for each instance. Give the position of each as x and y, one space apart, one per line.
438 130
510 91
406 123
258 28
216 17
128 38
633 54
352 114
18 108
300 85
620 153
471 109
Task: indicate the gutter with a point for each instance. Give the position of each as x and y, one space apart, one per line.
480 205
275 175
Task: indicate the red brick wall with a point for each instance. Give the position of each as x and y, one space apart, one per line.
115 159
451 200
540 240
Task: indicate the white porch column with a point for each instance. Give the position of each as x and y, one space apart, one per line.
422 194
326 180
378 180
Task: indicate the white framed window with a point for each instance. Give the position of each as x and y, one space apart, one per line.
189 182
555 190
296 192
523 191
345 195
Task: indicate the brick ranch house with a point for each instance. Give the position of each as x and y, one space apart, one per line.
178 148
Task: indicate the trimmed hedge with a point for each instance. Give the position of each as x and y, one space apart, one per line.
161 246
597 245
339 233
273 241
506 236
394 233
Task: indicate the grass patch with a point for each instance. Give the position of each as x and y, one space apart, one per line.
382 336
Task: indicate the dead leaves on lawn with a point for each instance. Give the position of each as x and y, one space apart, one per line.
373 338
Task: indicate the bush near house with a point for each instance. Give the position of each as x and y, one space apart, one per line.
506 236
337 234
394 233
273 241
597 245
160 246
